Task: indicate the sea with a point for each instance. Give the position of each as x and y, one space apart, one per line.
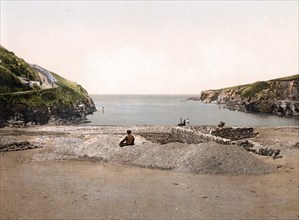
132 110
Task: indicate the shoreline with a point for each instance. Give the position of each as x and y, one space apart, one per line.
51 182
238 107
197 149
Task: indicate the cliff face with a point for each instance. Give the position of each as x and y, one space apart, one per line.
278 96
30 94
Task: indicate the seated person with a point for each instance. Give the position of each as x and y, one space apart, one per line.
128 140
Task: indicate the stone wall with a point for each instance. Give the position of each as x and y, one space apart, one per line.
234 133
201 134
187 135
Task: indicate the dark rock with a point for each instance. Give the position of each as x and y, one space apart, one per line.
251 107
276 152
19 115
193 99
17 146
234 133
221 124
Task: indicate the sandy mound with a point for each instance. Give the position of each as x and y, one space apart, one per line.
102 145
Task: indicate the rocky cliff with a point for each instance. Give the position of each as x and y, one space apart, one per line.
277 96
30 94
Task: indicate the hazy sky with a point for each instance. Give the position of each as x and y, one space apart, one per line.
158 47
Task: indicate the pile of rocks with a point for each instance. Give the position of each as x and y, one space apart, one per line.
16 146
206 158
234 133
264 151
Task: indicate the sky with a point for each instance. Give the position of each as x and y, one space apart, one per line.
155 47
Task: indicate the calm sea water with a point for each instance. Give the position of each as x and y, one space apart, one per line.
168 109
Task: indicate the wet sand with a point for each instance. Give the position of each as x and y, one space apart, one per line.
82 189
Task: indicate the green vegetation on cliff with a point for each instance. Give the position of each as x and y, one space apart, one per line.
253 89
9 82
287 78
16 65
277 96
18 97
35 98
11 68
71 89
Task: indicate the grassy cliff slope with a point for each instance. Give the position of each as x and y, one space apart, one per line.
11 68
26 102
277 96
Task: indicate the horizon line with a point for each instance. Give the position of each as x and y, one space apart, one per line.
170 94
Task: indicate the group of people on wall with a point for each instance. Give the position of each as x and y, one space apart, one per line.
184 122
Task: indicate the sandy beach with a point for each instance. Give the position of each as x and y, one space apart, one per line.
80 172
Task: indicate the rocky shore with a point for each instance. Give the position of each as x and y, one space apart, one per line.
278 97
20 115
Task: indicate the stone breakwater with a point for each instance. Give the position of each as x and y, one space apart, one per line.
200 134
226 136
189 136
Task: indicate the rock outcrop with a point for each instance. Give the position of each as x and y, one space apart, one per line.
19 115
30 94
278 96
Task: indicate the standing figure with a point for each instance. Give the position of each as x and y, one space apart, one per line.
187 121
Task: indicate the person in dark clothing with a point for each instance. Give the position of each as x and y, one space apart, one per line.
128 140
